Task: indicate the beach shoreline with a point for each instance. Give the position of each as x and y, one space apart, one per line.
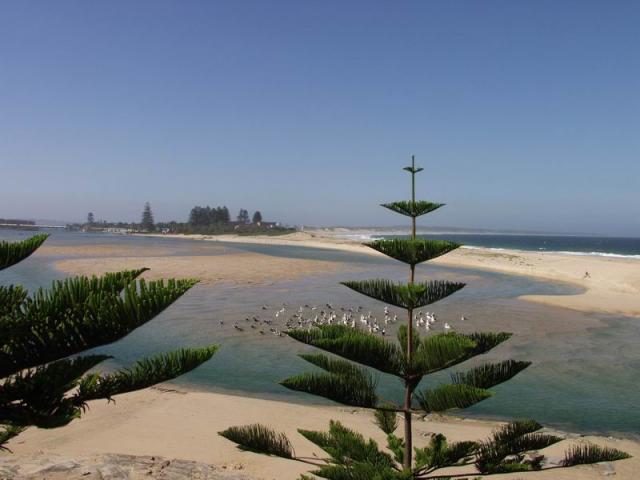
174 422
612 286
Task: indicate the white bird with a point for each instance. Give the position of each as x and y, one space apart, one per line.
463 318
447 326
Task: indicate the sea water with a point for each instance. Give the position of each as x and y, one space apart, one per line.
623 247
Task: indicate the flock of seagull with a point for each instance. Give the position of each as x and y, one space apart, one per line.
311 315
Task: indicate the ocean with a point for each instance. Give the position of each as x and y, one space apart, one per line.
585 366
568 244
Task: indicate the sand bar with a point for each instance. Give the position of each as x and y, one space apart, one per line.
612 287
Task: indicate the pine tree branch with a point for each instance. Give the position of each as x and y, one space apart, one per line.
11 297
490 375
344 383
437 352
144 373
412 209
588 454
38 396
347 447
7 433
408 296
449 396
14 252
260 439
100 318
354 345
413 251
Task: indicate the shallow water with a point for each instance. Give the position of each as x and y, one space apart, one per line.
585 371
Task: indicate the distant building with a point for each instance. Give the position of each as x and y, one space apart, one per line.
268 224
242 225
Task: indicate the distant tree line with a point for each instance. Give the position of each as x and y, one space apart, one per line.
206 216
202 220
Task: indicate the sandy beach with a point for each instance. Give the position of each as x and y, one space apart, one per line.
222 266
184 424
612 287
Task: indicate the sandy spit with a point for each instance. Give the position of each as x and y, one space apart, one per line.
612 286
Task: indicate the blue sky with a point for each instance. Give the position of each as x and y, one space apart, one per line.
525 115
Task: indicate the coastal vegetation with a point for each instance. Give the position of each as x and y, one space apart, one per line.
45 381
345 378
202 221
147 224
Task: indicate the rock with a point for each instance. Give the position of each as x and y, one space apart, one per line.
110 467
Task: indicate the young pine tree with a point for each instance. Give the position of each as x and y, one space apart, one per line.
411 359
40 384
147 223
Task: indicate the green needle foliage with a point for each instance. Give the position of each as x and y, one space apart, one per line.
14 252
346 447
588 454
414 208
411 358
489 375
504 451
343 382
413 251
6 434
144 373
440 454
408 296
386 417
40 385
260 439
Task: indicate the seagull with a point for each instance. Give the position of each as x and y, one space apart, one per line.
463 318
447 326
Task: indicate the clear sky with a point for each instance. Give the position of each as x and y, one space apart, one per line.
525 114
